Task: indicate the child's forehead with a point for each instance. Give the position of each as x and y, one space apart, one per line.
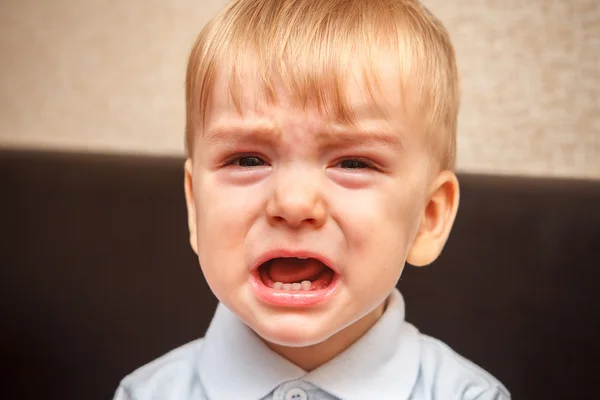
361 94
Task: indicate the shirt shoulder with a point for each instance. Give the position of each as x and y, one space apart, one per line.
445 374
172 376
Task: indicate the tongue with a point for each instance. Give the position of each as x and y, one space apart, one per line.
290 270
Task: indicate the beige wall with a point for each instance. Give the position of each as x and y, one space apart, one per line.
107 75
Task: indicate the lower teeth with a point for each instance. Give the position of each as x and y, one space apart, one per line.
304 285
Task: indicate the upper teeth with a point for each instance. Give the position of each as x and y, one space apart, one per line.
302 258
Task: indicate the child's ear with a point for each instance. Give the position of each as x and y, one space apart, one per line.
191 206
437 220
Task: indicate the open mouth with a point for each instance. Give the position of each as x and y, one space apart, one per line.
295 274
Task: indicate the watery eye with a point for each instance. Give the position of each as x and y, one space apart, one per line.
354 164
249 161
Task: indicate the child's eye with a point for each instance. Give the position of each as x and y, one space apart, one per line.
356 164
247 161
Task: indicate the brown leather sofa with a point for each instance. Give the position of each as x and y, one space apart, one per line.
98 278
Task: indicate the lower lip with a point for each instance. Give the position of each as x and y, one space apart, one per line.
292 298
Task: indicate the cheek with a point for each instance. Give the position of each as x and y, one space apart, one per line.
379 228
220 208
222 220
224 215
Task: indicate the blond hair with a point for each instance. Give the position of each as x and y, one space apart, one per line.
309 44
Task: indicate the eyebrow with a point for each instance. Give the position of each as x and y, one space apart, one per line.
350 137
343 137
241 133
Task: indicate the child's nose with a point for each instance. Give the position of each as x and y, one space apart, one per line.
297 200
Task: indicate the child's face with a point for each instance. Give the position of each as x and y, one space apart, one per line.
281 182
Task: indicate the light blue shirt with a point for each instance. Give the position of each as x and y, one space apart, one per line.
391 361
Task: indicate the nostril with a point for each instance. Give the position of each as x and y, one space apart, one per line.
294 222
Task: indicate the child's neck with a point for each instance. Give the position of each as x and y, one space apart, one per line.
312 357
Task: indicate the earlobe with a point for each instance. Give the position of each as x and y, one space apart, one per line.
191 206
437 220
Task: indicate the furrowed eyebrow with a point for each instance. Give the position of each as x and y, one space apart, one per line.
241 133
360 137
327 138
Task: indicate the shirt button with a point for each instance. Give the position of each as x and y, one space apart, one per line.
296 394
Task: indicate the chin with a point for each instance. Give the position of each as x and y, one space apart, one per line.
292 331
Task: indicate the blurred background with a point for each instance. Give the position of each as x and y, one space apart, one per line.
107 76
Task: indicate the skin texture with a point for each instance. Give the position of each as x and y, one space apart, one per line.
277 176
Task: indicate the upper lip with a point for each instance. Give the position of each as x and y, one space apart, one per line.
284 253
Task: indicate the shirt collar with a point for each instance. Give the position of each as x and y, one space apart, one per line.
235 363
